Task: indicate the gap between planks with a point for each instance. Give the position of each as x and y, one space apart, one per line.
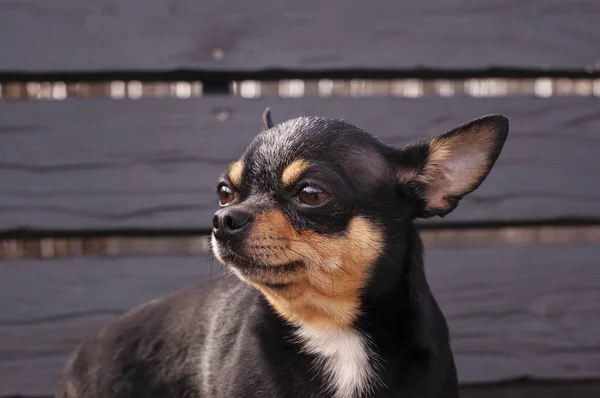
199 244
294 88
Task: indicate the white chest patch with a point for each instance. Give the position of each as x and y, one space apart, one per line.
344 357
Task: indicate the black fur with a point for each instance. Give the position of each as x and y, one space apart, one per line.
222 339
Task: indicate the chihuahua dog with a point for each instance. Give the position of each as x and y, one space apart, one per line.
317 221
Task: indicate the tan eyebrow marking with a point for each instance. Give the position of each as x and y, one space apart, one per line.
294 171
235 172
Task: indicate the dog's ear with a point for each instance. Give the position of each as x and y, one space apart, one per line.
437 173
267 122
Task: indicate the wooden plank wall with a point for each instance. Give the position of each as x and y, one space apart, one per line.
84 172
116 118
157 35
518 314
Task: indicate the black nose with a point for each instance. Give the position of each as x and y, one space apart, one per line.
230 221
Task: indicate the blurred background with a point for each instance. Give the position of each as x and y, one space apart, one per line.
116 118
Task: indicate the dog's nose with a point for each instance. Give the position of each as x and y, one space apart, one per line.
230 221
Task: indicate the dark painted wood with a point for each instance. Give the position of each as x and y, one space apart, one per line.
105 164
580 389
157 35
519 311
48 306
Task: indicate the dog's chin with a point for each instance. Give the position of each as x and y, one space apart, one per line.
273 276
252 270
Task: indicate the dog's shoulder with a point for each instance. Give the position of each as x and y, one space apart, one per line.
151 346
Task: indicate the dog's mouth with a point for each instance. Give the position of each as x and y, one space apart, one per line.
238 261
272 275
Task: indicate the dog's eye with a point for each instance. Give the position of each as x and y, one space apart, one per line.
312 196
225 195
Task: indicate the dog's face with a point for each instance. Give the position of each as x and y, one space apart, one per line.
314 204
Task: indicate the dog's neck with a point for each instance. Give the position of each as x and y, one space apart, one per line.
394 306
328 292
398 304
395 291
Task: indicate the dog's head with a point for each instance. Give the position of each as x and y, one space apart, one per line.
313 205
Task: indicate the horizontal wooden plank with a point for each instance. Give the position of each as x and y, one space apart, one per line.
520 311
158 35
518 389
578 389
152 163
48 306
514 311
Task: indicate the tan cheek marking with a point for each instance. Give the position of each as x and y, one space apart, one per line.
272 223
273 230
235 172
294 171
327 291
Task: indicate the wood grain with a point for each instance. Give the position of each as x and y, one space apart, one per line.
159 35
48 306
517 389
520 311
152 163
545 389
514 311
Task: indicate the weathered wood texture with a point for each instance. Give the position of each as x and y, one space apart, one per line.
514 311
156 35
580 389
48 306
520 310
104 164
586 389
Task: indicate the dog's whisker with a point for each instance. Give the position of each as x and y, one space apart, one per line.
332 284
341 267
290 301
288 239
298 253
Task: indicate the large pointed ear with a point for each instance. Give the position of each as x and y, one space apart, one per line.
437 173
267 122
